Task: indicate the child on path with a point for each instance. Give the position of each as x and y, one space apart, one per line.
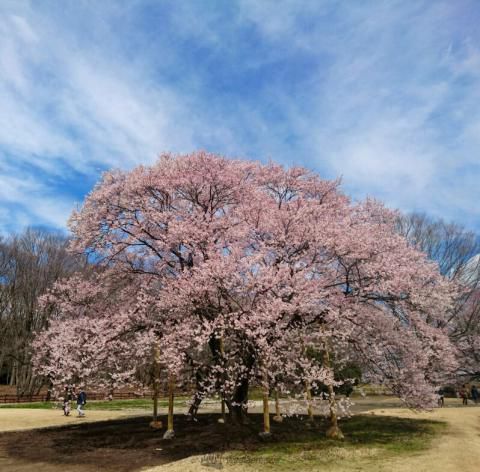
67 396
66 406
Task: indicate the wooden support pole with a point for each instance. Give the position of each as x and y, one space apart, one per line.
308 393
170 433
266 412
333 431
156 423
278 417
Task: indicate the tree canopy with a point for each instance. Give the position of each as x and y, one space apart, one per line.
231 272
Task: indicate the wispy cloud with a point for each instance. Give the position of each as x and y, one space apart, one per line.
395 107
384 93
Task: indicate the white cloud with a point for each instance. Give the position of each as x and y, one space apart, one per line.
396 112
66 106
29 202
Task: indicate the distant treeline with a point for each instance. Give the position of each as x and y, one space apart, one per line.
457 252
30 263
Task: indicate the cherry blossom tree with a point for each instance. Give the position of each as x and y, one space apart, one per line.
231 273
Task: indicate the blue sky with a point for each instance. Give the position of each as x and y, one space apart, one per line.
385 94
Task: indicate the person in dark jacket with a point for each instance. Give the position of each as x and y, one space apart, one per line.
81 401
474 393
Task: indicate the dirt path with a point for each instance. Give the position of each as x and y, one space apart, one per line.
18 419
458 450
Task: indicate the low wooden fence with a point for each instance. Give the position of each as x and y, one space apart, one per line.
90 396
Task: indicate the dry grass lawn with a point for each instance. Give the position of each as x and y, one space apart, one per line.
455 448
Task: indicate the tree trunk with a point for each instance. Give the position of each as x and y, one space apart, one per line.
237 407
155 421
197 400
237 404
13 374
222 352
201 376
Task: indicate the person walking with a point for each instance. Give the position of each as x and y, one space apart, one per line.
464 395
67 396
81 401
474 394
441 397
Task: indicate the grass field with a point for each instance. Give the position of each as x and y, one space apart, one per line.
366 439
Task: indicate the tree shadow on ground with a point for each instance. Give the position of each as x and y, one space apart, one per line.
130 444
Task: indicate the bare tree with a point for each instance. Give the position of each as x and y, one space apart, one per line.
29 264
457 252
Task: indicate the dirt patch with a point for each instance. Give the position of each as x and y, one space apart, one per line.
456 450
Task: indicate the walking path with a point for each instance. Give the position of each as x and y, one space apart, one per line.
457 450
17 419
